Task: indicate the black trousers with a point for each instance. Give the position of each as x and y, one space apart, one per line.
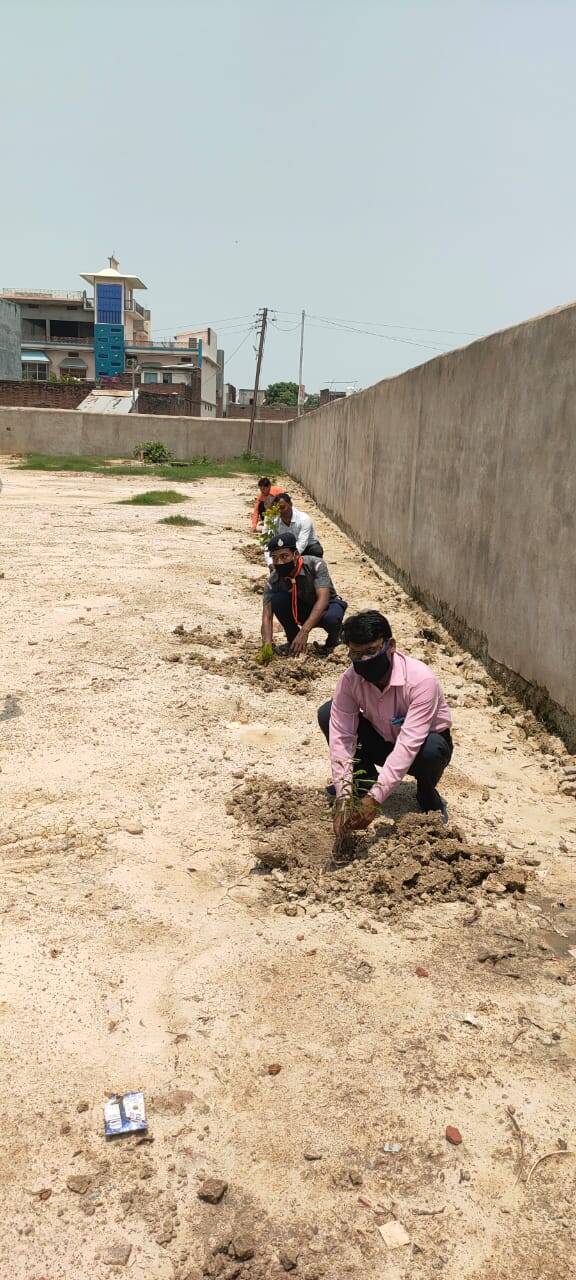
372 750
314 549
330 622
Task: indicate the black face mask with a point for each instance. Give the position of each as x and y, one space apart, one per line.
284 570
375 669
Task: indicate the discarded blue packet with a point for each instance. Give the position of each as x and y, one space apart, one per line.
125 1114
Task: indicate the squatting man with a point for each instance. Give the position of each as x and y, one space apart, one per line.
388 718
301 595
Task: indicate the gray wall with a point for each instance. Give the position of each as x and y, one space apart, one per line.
460 476
10 357
104 434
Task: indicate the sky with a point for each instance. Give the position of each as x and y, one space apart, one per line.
403 171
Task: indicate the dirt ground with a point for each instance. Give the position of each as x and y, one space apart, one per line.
305 1043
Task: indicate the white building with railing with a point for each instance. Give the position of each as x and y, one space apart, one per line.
58 340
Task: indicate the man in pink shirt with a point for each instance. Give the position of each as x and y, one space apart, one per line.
388 718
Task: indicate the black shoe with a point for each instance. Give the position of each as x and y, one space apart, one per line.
330 793
330 644
433 803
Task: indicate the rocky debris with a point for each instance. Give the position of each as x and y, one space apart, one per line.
416 859
453 1135
79 1183
288 1256
312 1154
208 639
567 779
294 675
243 1247
133 828
394 1235
83 1106
274 1069
166 1232
117 1255
294 823
256 587
253 552
212 1190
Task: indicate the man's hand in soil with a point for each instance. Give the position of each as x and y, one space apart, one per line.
299 642
362 815
357 819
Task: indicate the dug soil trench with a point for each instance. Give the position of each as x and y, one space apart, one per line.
352 1072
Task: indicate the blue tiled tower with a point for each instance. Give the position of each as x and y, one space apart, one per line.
112 297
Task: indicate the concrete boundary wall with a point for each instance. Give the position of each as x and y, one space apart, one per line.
460 478
58 431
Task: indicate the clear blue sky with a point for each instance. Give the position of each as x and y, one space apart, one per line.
387 161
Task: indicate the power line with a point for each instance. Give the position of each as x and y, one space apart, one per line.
381 324
332 327
248 315
227 359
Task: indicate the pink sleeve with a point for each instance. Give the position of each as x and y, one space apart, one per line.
343 733
414 731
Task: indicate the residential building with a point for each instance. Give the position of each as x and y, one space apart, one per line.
245 396
78 336
10 365
206 342
327 395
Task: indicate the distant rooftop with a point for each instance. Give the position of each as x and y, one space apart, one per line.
56 295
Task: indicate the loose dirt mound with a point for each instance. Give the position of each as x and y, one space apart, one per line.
252 552
207 638
294 823
296 675
416 859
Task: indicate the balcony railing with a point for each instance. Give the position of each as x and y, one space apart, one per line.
131 305
56 342
147 343
54 294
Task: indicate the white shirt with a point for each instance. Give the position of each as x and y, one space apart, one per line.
302 528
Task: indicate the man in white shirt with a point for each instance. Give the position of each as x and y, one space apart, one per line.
297 522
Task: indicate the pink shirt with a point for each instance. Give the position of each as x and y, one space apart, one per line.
413 695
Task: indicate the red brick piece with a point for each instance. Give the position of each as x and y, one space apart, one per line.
453 1135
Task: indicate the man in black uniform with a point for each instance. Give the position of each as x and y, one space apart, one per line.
301 594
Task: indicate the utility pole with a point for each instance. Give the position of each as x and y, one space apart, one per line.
300 396
263 321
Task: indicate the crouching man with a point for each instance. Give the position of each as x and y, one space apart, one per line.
301 595
388 718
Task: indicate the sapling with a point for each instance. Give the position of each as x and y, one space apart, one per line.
347 805
269 525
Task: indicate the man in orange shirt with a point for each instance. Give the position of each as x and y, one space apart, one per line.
267 491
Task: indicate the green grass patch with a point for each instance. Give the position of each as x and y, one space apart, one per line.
153 498
195 469
179 520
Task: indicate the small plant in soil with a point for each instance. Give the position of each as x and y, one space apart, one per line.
154 498
348 804
264 655
179 520
152 451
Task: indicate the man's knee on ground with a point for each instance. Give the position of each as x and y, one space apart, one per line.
434 749
324 717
